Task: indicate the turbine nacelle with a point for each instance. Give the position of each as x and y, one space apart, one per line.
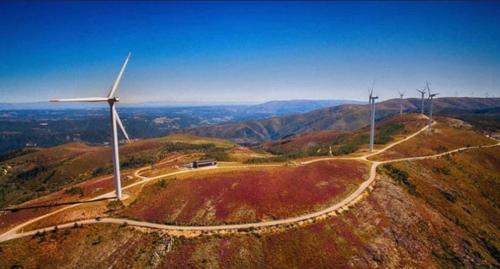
113 100
372 99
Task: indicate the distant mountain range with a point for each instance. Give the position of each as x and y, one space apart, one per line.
345 117
279 106
46 124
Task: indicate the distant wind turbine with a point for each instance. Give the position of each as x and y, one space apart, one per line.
115 119
401 94
372 118
431 96
422 94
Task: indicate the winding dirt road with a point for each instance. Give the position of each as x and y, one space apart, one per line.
17 232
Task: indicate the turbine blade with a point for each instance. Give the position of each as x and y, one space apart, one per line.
119 121
118 78
87 99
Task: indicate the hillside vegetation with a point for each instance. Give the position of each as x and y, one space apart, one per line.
246 195
447 134
340 118
36 172
319 143
438 213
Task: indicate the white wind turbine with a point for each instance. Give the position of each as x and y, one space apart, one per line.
431 96
401 94
115 119
422 93
372 118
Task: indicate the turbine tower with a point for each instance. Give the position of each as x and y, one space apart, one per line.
401 94
431 96
422 94
111 99
372 118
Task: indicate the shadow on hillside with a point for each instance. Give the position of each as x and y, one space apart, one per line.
56 204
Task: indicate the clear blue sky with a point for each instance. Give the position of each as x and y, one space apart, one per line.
249 51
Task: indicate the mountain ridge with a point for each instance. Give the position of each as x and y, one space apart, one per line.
346 117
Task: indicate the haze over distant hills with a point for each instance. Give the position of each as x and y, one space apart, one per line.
274 106
45 124
346 117
49 124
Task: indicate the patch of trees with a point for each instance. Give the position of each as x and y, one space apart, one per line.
15 153
219 155
74 191
25 175
385 132
180 146
138 161
210 151
280 158
400 176
100 171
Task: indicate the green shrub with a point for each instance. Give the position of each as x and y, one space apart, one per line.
180 146
101 171
138 161
385 133
162 183
449 196
74 191
400 176
280 158
115 205
441 170
345 149
218 155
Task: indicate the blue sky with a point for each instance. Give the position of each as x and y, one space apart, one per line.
248 51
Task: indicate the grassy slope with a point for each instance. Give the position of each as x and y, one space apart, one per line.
392 228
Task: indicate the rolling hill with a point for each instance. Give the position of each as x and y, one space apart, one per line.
340 118
47 124
343 142
435 212
31 173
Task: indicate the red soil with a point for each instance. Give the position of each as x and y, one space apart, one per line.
247 195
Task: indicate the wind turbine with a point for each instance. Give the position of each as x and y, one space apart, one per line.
372 116
401 94
422 94
431 96
115 119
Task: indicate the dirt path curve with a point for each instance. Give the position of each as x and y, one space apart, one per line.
299 220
